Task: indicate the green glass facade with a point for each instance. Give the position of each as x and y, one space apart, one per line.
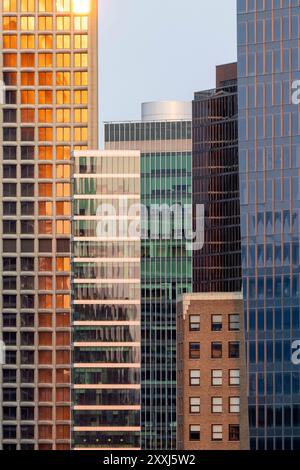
166 264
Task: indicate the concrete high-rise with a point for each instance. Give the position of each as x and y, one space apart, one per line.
268 63
49 68
106 300
164 137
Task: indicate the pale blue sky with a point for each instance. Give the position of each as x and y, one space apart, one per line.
160 50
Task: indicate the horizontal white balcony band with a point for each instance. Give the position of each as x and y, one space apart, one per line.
106 175
107 239
93 218
108 196
107 386
106 153
106 323
107 428
107 407
108 345
107 302
106 260
107 281
106 365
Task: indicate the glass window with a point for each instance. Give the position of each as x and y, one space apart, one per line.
216 350
195 432
217 377
234 404
194 322
217 432
234 350
234 432
194 405
217 405
194 350
234 322
234 377
194 377
216 323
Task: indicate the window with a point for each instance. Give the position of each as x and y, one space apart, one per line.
80 59
234 350
63 41
194 377
80 41
216 350
234 404
194 322
195 432
27 5
9 41
9 152
27 41
80 23
45 23
27 59
234 323
63 23
10 60
194 350
234 432
45 41
63 60
217 405
45 6
194 405
216 377
234 377
217 432
9 23
45 60
216 323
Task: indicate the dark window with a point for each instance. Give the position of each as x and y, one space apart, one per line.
10 78
234 350
9 282
9 152
27 319
27 189
27 375
45 246
9 264
11 357
27 282
27 413
27 208
27 447
9 208
9 376
10 97
9 189
9 115
216 350
9 394
9 246
27 338
63 246
9 432
27 171
27 152
9 226
27 301
27 246
216 323
27 432
9 171
27 264
9 134
27 226
9 301
9 320
27 134
194 350
27 394
9 413
10 338
234 432
27 358
195 432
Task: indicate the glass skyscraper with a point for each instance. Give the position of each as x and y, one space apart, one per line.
164 137
106 300
268 63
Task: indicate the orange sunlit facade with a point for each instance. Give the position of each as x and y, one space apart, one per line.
49 69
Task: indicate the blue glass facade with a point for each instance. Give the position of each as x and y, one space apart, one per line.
268 63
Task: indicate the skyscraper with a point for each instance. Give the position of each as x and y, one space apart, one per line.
268 63
106 300
164 138
49 69
217 266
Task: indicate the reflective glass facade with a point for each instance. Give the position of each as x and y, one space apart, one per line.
166 265
106 300
217 266
268 63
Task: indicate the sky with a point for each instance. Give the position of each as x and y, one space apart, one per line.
152 50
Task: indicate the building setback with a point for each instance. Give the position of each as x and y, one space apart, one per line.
164 139
212 400
106 300
49 68
268 63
